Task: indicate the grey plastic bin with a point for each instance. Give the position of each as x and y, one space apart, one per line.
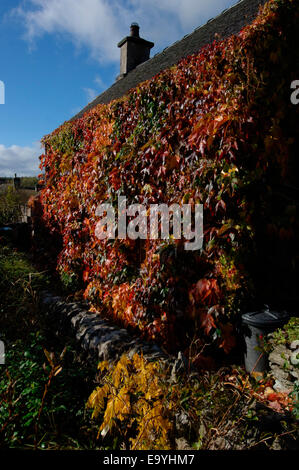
255 326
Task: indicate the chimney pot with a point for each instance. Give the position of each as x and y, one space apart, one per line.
134 30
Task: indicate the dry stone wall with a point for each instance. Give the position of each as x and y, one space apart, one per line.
99 338
284 366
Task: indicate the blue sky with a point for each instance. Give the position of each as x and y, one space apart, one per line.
57 55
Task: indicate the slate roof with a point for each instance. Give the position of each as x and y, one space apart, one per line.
229 22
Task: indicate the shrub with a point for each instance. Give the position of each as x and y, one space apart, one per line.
9 206
135 400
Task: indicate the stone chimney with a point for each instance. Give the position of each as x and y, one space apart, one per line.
133 51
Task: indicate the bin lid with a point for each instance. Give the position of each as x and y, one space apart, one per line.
265 318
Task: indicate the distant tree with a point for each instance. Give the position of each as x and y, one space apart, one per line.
10 209
28 182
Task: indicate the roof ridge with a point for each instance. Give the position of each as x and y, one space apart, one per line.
230 21
199 27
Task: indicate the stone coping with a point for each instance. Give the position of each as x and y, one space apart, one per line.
99 338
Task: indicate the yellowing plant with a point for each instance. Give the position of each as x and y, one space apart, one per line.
135 398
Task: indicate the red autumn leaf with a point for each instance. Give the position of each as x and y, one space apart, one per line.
220 205
228 338
272 396
115 179
172 162
206 292
207 322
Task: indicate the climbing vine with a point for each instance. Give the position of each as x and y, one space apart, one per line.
217 129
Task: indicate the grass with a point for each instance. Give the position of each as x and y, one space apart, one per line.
40 409
43 384
19 284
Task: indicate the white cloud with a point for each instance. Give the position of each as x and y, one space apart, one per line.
100 24
21 160
91 94
166 21
86 23
99 82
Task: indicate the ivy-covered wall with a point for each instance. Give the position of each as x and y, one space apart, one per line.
218 129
